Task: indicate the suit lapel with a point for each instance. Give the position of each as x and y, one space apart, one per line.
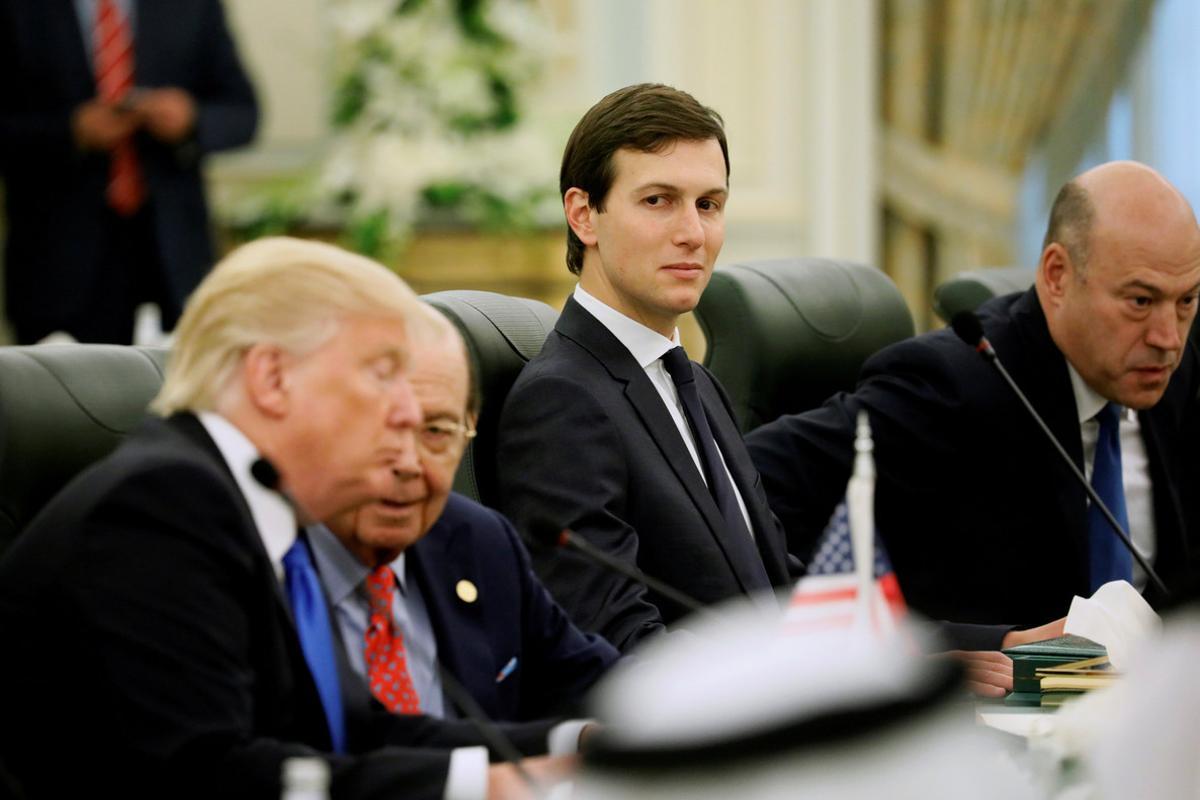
585 330
437 565
770 557
190 428
1169 528
1043 376
68 45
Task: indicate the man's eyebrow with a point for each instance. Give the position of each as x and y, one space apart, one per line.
669 188
1154 291
1148 288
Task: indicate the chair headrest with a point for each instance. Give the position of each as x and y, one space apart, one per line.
502 333
785 334
63 407
969 289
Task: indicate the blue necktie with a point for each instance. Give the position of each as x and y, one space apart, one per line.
679 368
316 635
1108 560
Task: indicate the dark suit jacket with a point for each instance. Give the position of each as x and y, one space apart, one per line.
55 195
513 617
982 520
586 442
149 650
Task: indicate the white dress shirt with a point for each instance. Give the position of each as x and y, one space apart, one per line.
1135 469
647 348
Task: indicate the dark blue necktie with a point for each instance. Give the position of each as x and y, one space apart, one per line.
316 635
680 369
1108 560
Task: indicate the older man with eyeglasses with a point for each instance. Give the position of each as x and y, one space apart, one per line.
427 579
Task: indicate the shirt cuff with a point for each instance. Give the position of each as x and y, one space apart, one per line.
563 738
467 778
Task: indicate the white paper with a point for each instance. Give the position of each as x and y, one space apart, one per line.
1116 616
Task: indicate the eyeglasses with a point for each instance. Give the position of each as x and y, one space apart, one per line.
438 437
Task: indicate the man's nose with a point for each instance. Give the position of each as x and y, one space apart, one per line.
405 411
689 230
1165 331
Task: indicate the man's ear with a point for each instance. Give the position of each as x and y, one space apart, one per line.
1055 272
580 215
264 375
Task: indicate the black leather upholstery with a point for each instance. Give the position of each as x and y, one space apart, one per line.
502 334
968 289
783 335
61 408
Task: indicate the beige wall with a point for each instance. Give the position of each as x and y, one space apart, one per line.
794 80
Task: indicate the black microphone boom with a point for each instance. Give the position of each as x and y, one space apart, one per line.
970 330
552 536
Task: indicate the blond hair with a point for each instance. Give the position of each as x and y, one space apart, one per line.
289 292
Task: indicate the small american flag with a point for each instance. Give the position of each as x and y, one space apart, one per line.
835 593
827 597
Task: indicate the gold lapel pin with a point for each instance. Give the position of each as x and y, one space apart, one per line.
466 591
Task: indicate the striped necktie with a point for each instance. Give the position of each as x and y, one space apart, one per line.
114 79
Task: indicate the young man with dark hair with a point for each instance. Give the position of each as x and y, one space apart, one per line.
611 430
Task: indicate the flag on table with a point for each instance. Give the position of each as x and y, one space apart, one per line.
850 582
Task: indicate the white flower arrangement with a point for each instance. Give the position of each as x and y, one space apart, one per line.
427 121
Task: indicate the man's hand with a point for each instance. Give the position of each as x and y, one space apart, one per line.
1050 630
989 672
505 783
97 125
168 114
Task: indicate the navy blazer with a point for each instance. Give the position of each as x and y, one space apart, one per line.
55 195
982 520
141 610
586 442
512 647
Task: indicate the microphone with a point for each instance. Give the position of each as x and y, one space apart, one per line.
970 330
268 476
547 535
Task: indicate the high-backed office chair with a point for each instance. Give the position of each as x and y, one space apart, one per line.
968 289
502 334
783 335
61 408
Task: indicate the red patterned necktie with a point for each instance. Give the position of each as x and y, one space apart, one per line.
114 78
387 667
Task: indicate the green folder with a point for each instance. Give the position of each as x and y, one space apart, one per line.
1028 658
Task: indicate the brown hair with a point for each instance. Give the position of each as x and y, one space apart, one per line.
648 117
1070 224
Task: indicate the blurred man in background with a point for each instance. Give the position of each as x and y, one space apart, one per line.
107 109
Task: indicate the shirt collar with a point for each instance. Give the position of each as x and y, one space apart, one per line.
341 572
646 346
272 515
1089 402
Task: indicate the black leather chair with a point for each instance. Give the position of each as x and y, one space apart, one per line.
502 334
784 335
968 289
61 408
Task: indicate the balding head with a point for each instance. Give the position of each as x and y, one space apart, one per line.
1118 278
